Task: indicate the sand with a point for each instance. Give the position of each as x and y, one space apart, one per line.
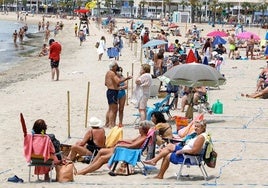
239 133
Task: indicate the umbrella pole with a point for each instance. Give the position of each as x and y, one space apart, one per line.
190 112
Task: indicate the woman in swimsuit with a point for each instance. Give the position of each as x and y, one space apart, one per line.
121 96
93 140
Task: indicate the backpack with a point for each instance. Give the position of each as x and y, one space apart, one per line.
97 44
210 156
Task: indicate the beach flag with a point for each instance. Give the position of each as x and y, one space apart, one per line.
191 57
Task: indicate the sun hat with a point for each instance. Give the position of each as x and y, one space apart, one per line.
95 122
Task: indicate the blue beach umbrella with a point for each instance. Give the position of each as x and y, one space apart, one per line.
218 40
266 36
153 43
266 51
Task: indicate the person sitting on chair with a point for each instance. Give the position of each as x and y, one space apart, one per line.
174 153
40 127
104 154
92 142
163 128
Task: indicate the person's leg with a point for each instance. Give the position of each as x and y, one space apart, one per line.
164 152
112 114
121 109
100 56
164 167
75 149
53 73
57 73
102 158
183 102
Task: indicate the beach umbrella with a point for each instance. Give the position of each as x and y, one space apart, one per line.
247 35
218 40
23 125
191 57
173 25
266 51
153 43
194 75
217 33
266 36
82 11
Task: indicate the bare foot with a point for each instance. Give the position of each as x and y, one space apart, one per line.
150 162
158 177
242 94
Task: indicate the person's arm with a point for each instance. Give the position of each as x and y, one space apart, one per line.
86 138
135 144
197 147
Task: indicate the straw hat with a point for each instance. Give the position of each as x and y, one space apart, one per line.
95 122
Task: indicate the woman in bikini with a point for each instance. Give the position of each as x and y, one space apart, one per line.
93 141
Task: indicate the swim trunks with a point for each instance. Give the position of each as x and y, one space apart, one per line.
54 64
112 96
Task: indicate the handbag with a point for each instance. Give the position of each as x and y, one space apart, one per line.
211 161
64 172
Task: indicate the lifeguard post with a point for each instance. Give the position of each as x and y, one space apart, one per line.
83 21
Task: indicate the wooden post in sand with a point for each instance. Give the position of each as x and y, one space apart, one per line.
68 114
127 90
141 54
135 49
132 80
87 102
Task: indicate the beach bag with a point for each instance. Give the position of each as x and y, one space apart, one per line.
97 44
64 172
211 161
122 169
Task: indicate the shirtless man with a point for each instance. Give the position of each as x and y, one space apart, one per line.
112 82
250 46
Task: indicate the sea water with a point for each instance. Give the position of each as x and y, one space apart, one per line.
11 54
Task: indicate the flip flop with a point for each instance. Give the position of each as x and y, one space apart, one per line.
15 179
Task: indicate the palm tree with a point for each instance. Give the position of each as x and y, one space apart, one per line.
184 4
212 8
141 5
131 4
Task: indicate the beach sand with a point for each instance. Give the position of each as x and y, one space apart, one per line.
239 133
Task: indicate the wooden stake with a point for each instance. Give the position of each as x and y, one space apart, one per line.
68 114
87 103
127 90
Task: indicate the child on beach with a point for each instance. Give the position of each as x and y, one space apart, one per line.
44 51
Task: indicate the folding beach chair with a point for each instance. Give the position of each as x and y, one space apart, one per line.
40 153
198 161
131 156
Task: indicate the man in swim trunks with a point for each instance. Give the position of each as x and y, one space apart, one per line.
112 82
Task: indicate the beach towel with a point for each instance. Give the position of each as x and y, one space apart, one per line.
112 52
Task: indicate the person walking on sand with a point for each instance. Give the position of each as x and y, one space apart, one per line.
102 47
54 56
75 30
81 36
144 81
47 35
112 82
